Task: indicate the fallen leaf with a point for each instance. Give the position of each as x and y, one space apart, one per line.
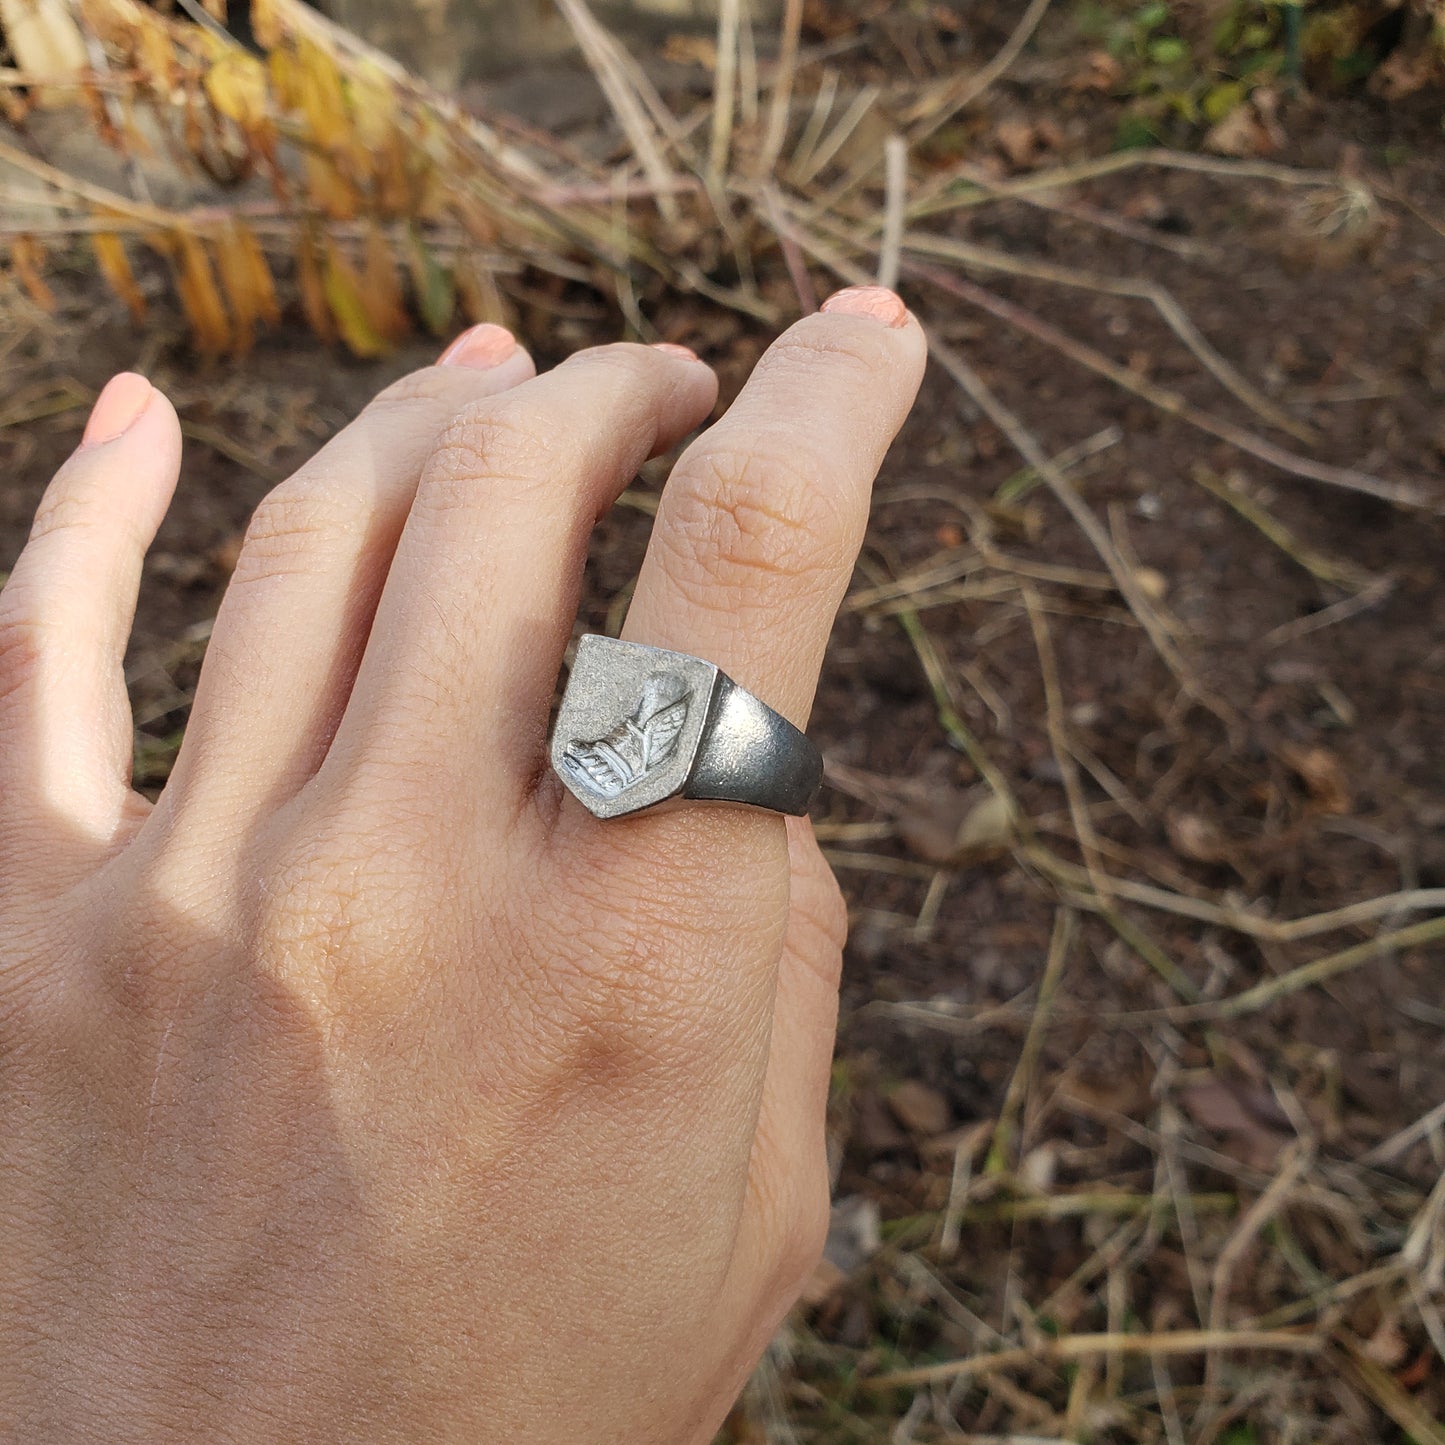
1154 585
1248 1119
1196 838
1388 1346
1100 72
1322 774
1240 134
691 50
1038 1169
952 825
1019 141
875 1131
920 1108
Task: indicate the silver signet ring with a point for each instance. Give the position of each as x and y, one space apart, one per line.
640 727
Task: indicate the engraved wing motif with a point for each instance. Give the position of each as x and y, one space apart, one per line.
638 745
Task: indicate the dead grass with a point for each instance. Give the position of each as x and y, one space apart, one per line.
1139 1281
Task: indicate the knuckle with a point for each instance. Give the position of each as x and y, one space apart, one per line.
501 441
298 520
24 639
352 903
735 514
819 921
419 393
68 503
636 995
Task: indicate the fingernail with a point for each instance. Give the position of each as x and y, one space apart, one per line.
481 348
671 348
877 302
117 408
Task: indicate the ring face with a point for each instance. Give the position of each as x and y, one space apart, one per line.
631 724
639 727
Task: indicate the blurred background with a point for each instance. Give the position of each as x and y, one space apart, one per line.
1135 715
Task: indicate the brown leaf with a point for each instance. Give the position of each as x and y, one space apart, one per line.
1388 1345
1241 134
1248 1118
114 263
1099 72
1019 141
920 1108
1198 839
27 256
874 1128
952 826
381 287
1322 774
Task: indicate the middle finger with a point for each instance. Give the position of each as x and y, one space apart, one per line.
451 699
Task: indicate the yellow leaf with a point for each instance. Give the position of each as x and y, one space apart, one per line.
313 288
247 280
267 307
236 85
328 189
285 77
343 296
381 287
372 102
322 99
196 285
266 23
27 255
110 255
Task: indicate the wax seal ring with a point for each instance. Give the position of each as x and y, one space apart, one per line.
641 727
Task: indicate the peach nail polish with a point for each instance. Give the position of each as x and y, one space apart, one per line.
117 408
481 348
877 302
671 348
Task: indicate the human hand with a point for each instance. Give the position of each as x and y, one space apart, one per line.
367 1087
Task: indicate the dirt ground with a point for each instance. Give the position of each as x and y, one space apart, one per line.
1028 1154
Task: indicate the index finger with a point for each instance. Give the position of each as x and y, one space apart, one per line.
761 521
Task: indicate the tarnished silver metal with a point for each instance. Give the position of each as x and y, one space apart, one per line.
640 727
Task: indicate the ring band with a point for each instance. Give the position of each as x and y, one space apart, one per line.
640 727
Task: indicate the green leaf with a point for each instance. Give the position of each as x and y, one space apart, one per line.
436 297
1168 50
1136 132
1151 17
1239 1435
1223 100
